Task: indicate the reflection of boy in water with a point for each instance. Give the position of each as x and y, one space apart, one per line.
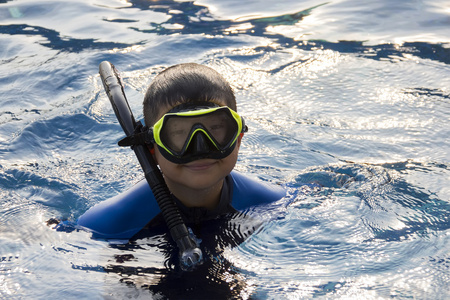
216 278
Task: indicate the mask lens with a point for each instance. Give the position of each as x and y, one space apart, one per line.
175 132
221 126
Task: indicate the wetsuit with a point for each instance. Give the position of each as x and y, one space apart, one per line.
123 216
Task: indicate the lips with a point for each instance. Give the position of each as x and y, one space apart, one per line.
200 165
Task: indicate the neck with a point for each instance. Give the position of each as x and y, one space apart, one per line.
208 198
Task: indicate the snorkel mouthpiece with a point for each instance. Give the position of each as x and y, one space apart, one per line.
190 253
190 258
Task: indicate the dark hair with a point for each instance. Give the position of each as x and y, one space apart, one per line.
184 83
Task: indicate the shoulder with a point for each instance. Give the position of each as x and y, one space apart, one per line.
123 215
249 192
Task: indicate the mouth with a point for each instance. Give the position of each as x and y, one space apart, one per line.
200 165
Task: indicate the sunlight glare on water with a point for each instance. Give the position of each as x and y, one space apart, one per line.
347 105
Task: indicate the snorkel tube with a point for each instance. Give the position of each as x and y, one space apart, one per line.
190 253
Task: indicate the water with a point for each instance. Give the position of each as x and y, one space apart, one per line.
352 97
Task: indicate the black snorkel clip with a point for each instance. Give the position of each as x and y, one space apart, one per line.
190 253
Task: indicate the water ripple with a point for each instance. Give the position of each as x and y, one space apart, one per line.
343 229
352 122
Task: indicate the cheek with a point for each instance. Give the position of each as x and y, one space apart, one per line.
165 165
236 149
156 154
231 159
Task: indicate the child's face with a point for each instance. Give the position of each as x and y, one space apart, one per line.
198 175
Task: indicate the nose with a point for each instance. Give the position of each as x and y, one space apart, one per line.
199 144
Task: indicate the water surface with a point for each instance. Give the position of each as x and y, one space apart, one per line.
348 108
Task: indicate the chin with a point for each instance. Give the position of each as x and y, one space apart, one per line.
204 181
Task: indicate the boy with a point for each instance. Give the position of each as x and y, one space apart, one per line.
197 183
197 132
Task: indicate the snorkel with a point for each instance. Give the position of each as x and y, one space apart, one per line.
190 253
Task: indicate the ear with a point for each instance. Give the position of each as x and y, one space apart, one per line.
152 152
239 139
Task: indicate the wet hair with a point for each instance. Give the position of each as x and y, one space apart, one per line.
185 83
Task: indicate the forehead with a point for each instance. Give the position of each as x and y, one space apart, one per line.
163 109
166 108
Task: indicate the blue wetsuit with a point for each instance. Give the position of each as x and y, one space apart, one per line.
124 215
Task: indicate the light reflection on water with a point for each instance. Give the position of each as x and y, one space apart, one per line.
323 242
357 132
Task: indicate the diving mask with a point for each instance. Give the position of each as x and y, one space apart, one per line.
194 131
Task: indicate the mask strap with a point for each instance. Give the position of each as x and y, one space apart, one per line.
192 105
141 136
